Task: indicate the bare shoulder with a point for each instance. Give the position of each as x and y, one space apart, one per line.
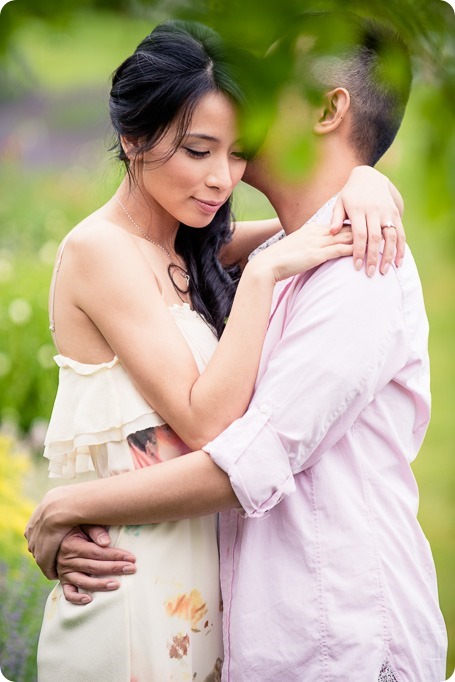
97 242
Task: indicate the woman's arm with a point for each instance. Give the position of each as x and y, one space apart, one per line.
358 203
117 290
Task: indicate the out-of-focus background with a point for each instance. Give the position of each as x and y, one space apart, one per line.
55 168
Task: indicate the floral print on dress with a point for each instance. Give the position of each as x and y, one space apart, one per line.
190 607
155 445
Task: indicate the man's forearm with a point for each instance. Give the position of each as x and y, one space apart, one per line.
185 487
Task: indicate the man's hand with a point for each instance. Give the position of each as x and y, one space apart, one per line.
86 561
374 206
45 531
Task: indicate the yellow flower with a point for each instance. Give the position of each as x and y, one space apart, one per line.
15 508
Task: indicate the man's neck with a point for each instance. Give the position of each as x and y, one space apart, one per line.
297 203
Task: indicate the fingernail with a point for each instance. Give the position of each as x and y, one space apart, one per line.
85 600
111 586
371 270
129 557
385 269
104 538
358 264
129 569
399 263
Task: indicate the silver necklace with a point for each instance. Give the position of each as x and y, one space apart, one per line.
143 232
172 266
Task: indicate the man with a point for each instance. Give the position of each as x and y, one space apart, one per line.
325 572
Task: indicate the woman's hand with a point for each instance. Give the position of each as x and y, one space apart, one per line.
374 206
304 249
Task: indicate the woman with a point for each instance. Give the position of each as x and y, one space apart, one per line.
137 303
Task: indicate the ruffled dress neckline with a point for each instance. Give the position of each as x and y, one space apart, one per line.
98 406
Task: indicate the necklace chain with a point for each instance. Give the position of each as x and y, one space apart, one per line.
143 232
172 267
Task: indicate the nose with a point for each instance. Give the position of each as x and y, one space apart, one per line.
220 176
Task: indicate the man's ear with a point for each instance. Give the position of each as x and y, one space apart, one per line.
335 107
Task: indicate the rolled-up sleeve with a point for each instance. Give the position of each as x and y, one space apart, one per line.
341 337
251 453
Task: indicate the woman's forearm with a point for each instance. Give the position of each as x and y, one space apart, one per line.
222 392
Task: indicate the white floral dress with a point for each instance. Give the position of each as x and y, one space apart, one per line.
164 623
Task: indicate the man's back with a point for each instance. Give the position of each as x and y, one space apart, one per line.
337 581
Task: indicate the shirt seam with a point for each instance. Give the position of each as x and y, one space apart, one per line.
321 601
405 316
386 636
412 354
233 521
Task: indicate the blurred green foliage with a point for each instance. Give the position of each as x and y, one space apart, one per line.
57 58
428 27
22 589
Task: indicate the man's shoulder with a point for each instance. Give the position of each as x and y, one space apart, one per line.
337 282
336 286
341 271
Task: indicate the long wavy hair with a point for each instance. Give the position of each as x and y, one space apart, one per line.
162 82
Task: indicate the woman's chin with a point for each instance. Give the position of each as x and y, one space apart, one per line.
198 223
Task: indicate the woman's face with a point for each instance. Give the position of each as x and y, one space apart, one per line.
192 184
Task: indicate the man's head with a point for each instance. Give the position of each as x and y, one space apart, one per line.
346 79
371 62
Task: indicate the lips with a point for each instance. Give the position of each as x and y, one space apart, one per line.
208 206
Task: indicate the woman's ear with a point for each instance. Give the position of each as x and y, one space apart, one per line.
129 146
335 107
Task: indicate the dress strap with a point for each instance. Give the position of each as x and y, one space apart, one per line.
52 290
54 283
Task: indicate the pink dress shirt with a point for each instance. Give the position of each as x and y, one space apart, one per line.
326 574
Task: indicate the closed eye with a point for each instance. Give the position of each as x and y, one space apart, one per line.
195 154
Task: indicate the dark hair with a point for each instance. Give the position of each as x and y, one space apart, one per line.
371 61
171 70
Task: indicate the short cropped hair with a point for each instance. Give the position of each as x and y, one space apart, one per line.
367 58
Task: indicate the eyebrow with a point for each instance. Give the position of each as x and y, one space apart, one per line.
202 136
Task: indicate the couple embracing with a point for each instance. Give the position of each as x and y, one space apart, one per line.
288 391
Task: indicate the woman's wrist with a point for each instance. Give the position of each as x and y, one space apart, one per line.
261 270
